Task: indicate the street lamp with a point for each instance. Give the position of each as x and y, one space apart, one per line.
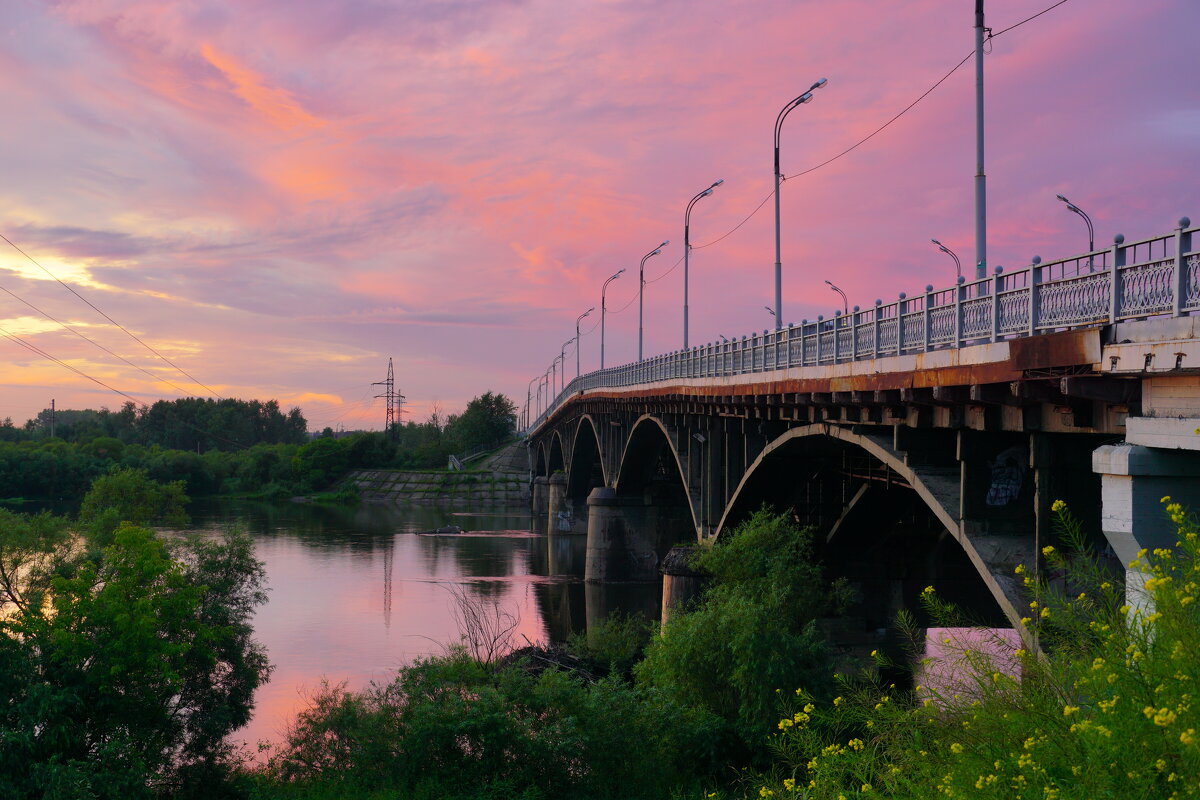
577 348
603 309
845 302
642 289
1087 219
562 379
949 252
787 109
771 311
687 247
528 397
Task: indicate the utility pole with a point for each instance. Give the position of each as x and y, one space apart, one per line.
389 395
980 177
52 420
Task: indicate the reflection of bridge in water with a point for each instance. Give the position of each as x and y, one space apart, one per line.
924 439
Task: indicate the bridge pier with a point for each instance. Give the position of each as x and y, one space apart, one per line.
681 583
557 492
1134 479
540 496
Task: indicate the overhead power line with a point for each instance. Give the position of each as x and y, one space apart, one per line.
128 332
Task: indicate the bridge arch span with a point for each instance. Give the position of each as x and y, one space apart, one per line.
863 496
586 469
555 458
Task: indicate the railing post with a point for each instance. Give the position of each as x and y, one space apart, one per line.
820 319
791 339
925 316
900 304
1182 243
997 282
854 334
958 293
875 334
1033 298
1114 278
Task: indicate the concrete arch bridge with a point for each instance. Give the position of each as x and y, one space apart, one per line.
924 441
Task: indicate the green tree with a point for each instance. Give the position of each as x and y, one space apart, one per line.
754 633
125 672
128 495
488 419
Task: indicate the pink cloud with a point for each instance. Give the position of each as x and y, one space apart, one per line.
449 183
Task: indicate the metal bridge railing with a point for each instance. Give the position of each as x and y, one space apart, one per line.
1159 276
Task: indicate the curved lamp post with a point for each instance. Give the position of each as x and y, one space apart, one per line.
562 359
528 398
687 247
1091 232
949 252
787 109
845 302
604 308
577 348
642 289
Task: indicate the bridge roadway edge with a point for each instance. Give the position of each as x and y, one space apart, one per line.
1083 381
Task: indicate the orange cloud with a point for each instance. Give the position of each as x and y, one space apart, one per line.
276 106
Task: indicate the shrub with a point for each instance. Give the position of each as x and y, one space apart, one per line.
1105 710
753 633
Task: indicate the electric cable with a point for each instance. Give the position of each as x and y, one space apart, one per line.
107 317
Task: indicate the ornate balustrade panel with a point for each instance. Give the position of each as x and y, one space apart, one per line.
914 331
1191 300
977 318
1146 289
1073 301
941 325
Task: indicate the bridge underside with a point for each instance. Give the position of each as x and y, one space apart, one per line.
929 469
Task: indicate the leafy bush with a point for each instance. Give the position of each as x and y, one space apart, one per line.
753 634
450 727
1106 710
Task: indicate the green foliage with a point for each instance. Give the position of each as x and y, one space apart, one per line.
615 644
125 672
488 420
754 632
1106 710
452 728
127 495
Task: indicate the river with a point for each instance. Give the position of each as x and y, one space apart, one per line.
355 593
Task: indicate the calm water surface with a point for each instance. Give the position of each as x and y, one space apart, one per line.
356 593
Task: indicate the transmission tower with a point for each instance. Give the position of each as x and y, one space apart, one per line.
389 395
395 402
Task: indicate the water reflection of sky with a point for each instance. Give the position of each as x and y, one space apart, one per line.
356 593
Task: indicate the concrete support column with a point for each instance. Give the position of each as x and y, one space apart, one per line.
556 496
540 496
1134 479
681 583
618 548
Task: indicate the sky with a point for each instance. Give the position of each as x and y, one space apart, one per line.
278 196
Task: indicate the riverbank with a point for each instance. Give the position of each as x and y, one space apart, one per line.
501 478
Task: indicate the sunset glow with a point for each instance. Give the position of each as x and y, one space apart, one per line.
280 196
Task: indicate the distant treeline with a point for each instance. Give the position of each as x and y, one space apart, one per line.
274 457
190 423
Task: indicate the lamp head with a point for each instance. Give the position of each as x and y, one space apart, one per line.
804 98
706 193
664 244
1065 200
935 241
819 84
656 252
829 282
